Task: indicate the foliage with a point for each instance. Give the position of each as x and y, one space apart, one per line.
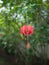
16 13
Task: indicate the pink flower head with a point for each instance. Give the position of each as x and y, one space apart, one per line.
27 30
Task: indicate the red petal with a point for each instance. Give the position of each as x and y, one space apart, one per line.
27 30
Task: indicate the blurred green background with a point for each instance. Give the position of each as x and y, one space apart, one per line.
13 15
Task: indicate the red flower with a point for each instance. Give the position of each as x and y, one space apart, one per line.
27 30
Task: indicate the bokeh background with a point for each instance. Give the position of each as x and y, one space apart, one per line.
13 15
